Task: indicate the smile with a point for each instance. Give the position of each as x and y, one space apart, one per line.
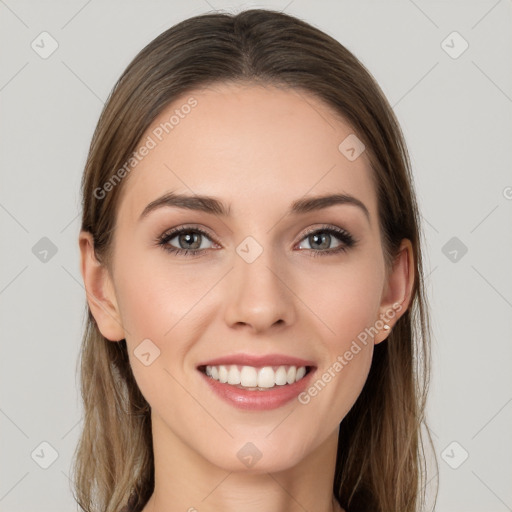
257 388
253 378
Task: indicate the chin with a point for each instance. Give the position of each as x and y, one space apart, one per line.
259 455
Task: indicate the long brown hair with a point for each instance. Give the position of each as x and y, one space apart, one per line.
380 463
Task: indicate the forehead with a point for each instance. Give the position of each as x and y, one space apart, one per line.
246 145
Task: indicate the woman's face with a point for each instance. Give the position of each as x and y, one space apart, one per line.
274 273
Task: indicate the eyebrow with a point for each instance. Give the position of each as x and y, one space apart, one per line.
215 207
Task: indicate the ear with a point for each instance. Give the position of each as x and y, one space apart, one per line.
99 290
398 290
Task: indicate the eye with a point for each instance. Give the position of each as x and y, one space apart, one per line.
321 241
193 241
188 241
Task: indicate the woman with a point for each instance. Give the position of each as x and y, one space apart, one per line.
257 334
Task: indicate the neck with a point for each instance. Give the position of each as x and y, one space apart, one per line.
186 481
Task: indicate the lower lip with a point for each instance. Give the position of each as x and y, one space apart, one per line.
259 400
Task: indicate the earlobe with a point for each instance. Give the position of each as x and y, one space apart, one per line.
99 290
398 291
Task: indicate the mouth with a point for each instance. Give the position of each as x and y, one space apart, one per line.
256 378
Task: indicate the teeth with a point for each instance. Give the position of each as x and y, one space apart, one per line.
233 375
223 373
251 377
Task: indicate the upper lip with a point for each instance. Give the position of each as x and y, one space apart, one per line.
258 360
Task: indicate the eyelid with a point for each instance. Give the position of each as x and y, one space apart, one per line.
171 233
342 232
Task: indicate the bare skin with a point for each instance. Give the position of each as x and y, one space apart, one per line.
257 150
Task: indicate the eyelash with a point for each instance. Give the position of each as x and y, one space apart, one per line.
346 239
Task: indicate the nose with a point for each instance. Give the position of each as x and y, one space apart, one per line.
259 295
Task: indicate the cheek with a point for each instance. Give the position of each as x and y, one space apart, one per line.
163 303
155 295
156 304
347 304
346 298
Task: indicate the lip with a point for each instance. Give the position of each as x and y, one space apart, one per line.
256 400
258 361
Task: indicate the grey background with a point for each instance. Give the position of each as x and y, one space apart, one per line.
457 117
